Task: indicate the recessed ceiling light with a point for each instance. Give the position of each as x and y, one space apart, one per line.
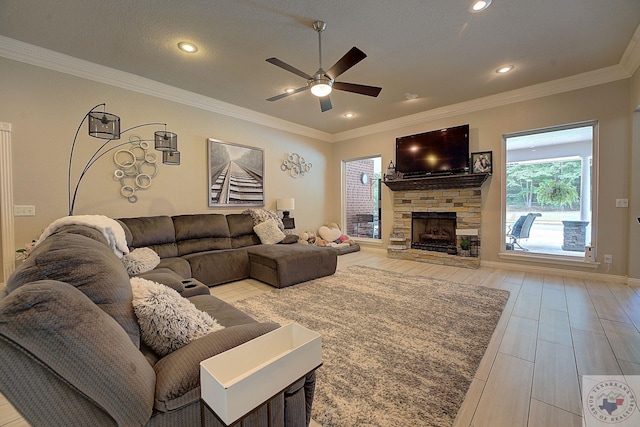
289 90
349 115
479 5
187 47
504 69
409 96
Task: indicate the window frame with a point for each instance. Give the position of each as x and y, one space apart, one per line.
546 257
343 208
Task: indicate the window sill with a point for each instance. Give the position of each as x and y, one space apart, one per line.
549 259
367 241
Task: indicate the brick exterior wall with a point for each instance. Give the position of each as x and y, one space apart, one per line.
466 203
360 196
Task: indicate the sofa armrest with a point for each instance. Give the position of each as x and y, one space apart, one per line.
178 373
55 325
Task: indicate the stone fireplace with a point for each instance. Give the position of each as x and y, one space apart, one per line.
460 205
434 231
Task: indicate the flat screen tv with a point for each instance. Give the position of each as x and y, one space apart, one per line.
438 151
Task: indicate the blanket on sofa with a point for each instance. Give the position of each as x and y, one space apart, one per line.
110 228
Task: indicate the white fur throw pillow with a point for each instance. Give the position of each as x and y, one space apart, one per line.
140 260
167 320
268 232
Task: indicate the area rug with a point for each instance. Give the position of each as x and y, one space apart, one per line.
397 350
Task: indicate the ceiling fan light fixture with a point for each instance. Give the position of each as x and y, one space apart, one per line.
479 5
321 87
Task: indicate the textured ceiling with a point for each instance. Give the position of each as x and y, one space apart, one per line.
436 49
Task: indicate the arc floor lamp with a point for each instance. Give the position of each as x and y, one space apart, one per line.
104 125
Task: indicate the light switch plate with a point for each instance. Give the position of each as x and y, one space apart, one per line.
622 203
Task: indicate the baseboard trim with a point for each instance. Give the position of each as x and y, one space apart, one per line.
633 282
559 272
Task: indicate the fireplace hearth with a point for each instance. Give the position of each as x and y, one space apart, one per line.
434 231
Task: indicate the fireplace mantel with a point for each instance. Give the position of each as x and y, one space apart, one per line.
439 182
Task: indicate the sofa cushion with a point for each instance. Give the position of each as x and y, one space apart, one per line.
90 266
167 320
178 265
178 374
241 230
216 267
201 232
268 232
156 232
166 277
286 265
225 313
57 326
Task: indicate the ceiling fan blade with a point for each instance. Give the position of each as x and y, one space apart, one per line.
291 69
325 103
349 59
284 95
359 89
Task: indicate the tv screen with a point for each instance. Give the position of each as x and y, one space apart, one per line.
438 151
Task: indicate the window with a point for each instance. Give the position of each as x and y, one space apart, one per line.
548 206
362 213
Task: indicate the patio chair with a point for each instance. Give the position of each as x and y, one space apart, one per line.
521 228
364 225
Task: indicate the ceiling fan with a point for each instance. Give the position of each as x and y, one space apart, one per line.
322 82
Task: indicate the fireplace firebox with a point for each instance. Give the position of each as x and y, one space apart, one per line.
434 231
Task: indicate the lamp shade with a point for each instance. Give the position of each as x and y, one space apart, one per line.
104 125
286 204
166 141
171 157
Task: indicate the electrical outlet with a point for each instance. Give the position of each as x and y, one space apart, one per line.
622 203
24 210
608 259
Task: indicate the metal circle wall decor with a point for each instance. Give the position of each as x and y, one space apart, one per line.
295 165
136 168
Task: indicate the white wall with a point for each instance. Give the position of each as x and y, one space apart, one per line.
606 103
45 108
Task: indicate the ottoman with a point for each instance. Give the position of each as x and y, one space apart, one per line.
285 265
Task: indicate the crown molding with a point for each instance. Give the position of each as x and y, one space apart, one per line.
579 81
45 58
631 57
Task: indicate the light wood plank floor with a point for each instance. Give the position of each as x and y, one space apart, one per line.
553 330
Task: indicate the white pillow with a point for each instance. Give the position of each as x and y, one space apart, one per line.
329 234
140 260
269 232
167 320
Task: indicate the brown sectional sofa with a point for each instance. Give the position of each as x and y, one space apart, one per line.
218 248
70 346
